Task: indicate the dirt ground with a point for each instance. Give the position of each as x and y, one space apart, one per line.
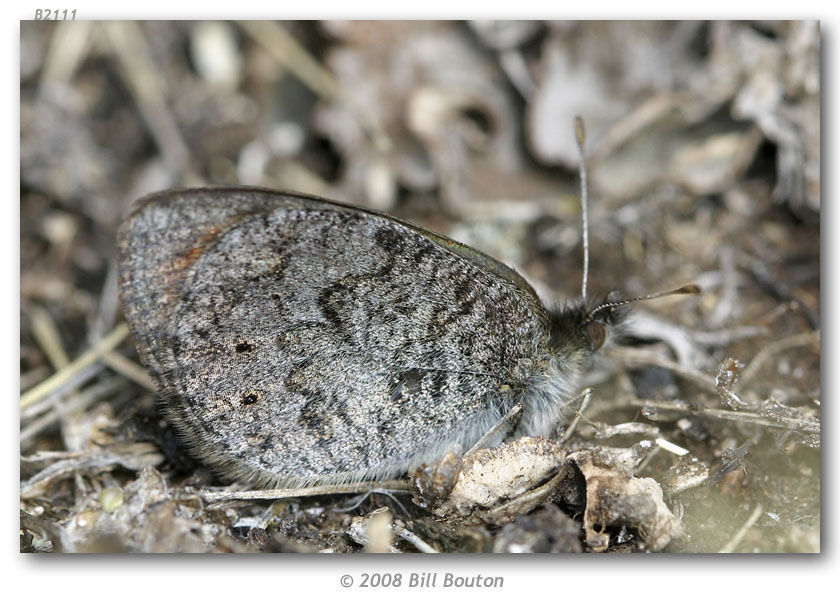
702 431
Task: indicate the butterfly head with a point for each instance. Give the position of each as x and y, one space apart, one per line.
583 327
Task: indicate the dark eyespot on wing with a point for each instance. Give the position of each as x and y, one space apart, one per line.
251 396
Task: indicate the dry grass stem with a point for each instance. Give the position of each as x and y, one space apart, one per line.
87 359
319 490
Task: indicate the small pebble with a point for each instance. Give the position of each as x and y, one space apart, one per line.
111 499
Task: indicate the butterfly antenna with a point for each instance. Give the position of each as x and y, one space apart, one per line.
580 136
686 289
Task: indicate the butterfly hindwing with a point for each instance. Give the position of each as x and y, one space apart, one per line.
298 340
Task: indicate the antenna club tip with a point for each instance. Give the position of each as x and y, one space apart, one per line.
691 288
580 130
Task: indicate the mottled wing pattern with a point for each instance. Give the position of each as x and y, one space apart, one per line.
297 340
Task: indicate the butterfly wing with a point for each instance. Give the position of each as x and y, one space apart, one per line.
298 340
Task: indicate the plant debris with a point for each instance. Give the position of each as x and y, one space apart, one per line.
616 501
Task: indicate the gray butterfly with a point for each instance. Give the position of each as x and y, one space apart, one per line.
295 340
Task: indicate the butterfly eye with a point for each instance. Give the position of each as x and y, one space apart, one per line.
597 334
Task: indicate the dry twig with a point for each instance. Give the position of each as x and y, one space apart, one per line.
318 490
733 543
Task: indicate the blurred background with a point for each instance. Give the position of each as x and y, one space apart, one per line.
704 161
